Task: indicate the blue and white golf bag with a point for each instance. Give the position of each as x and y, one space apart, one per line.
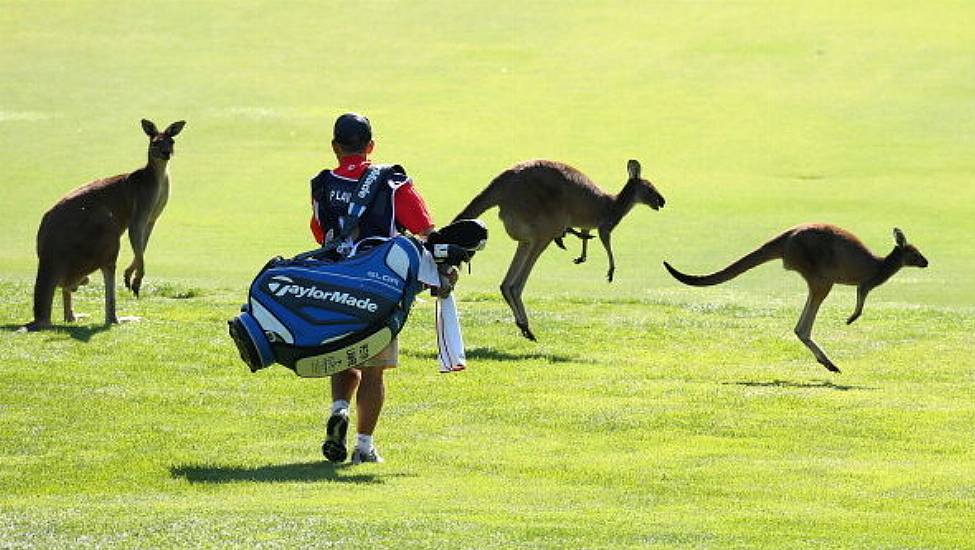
319 316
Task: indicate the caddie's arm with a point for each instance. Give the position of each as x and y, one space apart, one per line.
316 224
411 210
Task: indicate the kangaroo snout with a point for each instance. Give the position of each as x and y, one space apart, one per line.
920 260
161 151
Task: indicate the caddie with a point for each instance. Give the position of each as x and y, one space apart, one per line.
397 207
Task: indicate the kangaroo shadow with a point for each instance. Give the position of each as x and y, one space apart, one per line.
491 354
76 332
308 472
824 384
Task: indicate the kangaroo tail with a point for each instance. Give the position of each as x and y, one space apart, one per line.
769 251
488 198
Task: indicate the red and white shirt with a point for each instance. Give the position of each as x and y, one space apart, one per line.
410 211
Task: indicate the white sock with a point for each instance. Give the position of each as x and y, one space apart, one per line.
340 405
363 442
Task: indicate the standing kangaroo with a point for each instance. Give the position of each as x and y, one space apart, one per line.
824 255
81 232
542 200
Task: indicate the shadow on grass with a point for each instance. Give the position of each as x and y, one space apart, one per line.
279 473
824 384
491 354
76 332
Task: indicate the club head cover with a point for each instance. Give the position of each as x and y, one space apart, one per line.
469 234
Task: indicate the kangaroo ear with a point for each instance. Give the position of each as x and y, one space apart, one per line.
174 128
899 238
149 128
633 167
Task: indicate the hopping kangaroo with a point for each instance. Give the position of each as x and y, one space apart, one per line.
824 255
81 232
542 200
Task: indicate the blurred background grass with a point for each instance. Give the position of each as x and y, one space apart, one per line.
750 117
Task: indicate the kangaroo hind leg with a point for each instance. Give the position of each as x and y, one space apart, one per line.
514 283
817 293
45 285
108 274
111 317
519 286
69 316
508 289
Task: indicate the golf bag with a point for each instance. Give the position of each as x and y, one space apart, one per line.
319 313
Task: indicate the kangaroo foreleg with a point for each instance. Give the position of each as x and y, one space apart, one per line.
862 292
139 239
604 238
817 293
134 274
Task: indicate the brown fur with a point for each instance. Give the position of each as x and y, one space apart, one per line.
80 234
824 255
542 200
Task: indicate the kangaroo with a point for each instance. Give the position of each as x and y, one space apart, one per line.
824 255
81 232
542 200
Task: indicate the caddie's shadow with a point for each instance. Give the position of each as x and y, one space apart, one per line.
824 384
76 332
307 472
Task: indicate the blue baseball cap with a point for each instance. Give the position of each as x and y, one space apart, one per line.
352 130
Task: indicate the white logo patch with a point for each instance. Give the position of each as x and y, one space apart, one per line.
367 184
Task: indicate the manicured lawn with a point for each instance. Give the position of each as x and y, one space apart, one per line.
648 414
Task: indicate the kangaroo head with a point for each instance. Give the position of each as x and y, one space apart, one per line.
911 255
645 192
161 143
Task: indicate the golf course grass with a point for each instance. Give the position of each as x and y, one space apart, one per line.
648 414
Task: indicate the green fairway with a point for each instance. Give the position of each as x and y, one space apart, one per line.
648 414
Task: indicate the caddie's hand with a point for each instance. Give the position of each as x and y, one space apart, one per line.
453 275
448 278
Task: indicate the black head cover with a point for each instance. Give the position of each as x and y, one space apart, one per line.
469 234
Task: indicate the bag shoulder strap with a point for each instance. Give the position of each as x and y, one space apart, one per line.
364 195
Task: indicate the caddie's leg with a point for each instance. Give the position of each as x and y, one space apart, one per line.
343 386
369 403
369 400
